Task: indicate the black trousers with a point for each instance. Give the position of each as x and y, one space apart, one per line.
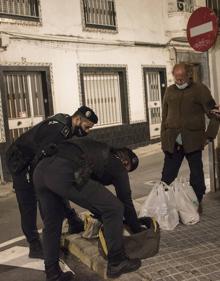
172 163
53 180
27 203
115 174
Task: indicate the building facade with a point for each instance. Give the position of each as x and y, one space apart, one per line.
214 66
115 56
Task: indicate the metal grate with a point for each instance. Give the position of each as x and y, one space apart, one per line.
181 6
154 97
215 6
19 8
185 5
102 94
100 13
24 101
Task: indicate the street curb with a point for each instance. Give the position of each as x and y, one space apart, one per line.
86 250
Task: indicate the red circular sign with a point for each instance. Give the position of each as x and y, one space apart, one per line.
202 29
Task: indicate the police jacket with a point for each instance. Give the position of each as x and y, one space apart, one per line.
115 174
95 153
52 130
105 168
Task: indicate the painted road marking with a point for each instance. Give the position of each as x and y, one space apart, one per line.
14 240
18 256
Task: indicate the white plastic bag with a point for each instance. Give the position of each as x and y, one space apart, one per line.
186 202
160 204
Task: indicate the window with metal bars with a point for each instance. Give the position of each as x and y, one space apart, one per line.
20 9
215 6
100 14
185 5
105 92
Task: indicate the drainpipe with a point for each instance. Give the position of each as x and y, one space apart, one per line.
1 172
213 161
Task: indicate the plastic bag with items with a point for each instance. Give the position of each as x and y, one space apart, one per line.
160 204
186 202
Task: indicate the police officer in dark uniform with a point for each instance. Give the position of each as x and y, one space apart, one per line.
67 174
28 149
121 161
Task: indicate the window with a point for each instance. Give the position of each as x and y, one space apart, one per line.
100 14
185 5
180 6
215 6
104 91
20 9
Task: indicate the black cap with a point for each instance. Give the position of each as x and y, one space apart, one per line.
126 153
133 159
87 113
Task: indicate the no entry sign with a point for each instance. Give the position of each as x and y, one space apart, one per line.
202 29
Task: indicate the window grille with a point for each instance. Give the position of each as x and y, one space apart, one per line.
100 14
102 94
20 9
185 5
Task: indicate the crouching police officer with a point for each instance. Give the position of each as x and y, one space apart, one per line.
30 147
67 174
120 162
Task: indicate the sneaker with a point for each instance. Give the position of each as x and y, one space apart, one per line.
127 265
76 225
36 250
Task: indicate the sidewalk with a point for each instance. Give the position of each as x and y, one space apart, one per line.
189 253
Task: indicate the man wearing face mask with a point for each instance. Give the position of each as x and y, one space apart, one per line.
183 128
24 154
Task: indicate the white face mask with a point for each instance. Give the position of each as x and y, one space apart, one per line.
183 86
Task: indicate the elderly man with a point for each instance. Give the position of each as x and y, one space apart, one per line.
183 131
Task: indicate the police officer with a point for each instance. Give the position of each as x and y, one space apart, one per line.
121 161
28 149
67 174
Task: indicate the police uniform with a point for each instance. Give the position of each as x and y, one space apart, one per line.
68 175
115 174
29 148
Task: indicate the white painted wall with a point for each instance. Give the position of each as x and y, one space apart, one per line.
64 59
137 20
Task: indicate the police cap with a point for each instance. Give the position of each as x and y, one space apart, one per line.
87 113
127 154
134 161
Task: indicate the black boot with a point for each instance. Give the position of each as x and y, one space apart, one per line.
36 250
76 225
125 266
54 273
